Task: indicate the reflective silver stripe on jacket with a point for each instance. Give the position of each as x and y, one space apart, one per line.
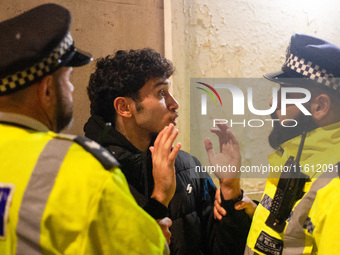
36 194
295 237
248 251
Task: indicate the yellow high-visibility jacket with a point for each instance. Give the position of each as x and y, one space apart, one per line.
57 198
314 224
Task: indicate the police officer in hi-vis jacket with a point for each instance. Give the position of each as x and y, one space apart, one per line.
299 212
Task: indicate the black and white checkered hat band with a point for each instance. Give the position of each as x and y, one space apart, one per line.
38 70
312 71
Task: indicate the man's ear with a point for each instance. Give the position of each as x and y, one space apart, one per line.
122 106
46 92
321 108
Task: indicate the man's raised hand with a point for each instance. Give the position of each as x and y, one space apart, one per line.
163 162
229 157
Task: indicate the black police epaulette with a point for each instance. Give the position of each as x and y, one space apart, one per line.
100 153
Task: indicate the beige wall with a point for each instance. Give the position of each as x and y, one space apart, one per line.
101 27
241 39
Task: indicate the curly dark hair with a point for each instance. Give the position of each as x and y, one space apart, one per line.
123 75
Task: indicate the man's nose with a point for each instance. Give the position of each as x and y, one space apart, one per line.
172 103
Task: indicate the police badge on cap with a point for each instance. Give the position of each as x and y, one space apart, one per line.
34 44
310 60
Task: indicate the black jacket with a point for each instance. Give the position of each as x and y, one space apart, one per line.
194 230
192 205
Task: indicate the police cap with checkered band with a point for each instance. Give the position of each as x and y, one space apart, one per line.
35 44
309 61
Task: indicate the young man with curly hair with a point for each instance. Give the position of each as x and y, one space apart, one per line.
130 104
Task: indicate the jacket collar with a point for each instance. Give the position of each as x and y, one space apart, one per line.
106 134
135 164
322 146
22 120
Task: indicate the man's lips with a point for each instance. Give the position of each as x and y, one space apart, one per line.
173 119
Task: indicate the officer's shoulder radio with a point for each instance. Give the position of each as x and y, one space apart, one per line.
289 190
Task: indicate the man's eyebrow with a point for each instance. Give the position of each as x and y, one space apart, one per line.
162 83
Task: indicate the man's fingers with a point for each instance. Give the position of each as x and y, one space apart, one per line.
246 204
168 221
240 205
216 131
167 134
170 140
232 136
174 152
222 126
220 209
165 224
217 215
208 144
223 134
209 148
159 136
220 130
218 196
165 139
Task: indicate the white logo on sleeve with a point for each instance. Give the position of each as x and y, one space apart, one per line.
189 188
